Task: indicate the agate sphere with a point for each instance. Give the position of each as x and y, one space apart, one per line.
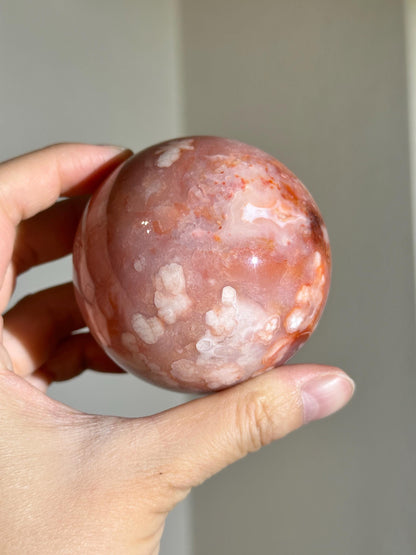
200 263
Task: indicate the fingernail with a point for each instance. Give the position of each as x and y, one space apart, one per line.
325 395
115 148
115 154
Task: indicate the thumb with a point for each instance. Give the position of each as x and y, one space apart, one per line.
205 435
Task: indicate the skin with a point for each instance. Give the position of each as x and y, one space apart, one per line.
77 483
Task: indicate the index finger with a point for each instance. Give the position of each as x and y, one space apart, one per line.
33 182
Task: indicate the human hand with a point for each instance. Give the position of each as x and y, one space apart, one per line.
77 483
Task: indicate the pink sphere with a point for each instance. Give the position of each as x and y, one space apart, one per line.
200 263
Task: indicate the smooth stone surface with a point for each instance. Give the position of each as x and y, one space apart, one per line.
201 262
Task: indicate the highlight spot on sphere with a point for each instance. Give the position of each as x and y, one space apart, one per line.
201 262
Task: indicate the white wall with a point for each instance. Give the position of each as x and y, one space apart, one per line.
100 72
322 85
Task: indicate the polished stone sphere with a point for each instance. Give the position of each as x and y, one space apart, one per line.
200 263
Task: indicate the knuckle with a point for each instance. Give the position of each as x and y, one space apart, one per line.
256 421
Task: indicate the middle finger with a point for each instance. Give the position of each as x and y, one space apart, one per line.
37 323
45 237
48 235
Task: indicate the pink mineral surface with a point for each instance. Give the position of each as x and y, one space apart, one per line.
201 262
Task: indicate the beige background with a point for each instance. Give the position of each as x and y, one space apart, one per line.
321 84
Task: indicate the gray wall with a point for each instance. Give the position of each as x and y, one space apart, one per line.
322 85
